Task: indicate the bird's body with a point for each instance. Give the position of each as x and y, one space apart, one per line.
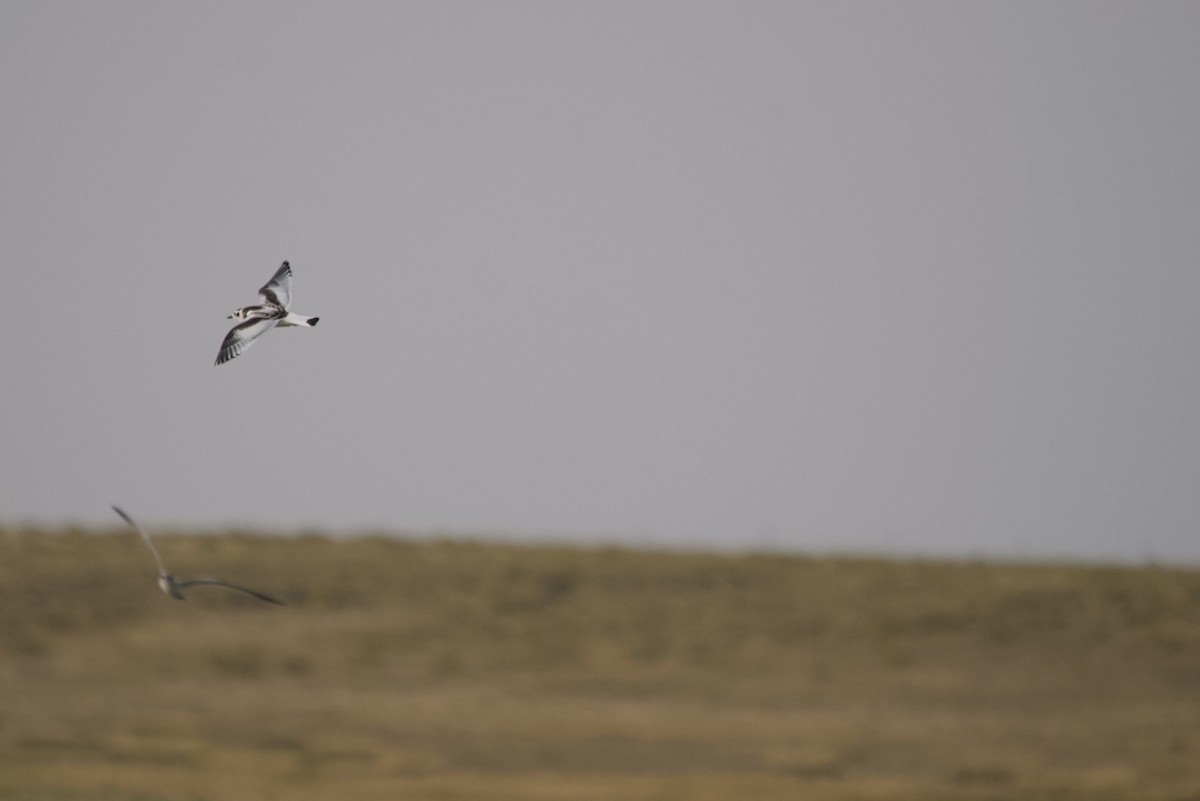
174 587
167 583
256 320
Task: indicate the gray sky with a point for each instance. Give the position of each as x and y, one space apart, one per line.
903 277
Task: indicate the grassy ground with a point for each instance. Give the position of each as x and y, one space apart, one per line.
451 671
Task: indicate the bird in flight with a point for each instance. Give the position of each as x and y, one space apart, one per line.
257 320
174 587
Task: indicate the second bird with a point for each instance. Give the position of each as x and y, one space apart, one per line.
174 587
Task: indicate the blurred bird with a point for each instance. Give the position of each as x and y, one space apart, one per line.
173 586
257 320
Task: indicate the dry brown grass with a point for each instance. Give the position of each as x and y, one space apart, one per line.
455 671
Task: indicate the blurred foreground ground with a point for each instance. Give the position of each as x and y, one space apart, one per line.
451 671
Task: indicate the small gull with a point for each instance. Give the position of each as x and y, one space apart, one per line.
257 320
173 586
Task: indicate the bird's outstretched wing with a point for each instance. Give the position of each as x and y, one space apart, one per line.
279 289
146 537
218 583
242 336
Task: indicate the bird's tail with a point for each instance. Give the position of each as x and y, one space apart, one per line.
297 320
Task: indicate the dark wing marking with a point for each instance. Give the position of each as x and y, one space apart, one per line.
279 289
242 336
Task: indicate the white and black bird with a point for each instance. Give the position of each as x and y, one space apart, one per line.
257 320
174 587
